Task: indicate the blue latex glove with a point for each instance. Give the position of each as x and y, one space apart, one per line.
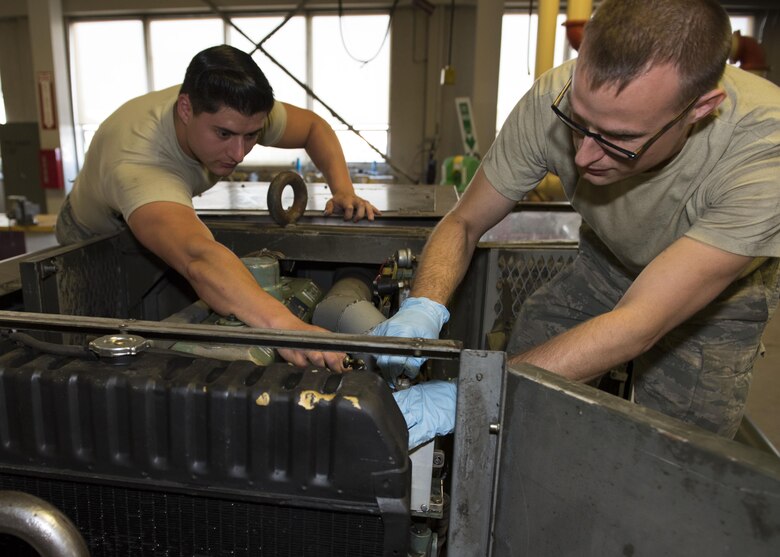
429 410
416 318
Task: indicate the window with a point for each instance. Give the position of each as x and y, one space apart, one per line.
743 23
518 58
103 55
173 43
358 91
113 61
288 47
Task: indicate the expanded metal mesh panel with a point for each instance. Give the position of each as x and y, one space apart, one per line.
118 521
512 275
90 281
521 272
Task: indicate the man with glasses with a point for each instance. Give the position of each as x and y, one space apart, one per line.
673 161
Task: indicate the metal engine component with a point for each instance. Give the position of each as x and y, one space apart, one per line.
405 258
299 295
395 278
276 208
347 308
420 544
117 346
41 525
260 355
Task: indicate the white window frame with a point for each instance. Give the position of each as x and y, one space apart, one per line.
3 118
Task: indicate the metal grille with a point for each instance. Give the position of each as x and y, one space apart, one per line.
90 282
118 521
521 273
517 273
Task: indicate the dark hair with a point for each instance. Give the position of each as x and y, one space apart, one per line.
626 37
226 76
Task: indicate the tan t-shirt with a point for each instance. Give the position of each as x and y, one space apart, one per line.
722 189
135 159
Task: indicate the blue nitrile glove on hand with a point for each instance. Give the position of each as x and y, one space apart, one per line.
416 318
429 410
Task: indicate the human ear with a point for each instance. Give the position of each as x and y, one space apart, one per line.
184 108
706 104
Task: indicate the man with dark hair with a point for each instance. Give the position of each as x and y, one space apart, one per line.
673 161
150 157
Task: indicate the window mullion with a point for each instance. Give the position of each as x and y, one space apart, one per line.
150 85
309 64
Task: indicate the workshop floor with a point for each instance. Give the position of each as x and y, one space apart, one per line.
763 406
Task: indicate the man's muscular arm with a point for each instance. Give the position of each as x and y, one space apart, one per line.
682 280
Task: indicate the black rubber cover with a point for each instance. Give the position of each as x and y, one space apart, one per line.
279 435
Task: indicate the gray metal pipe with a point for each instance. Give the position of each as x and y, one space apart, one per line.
347 308
41 525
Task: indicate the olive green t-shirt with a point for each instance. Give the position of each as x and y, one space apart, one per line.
134 159
722 189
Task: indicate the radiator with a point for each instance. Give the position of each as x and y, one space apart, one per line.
173 455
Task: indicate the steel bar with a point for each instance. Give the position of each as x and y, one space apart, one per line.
438 349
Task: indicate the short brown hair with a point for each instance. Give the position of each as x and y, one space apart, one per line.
226 76
626 37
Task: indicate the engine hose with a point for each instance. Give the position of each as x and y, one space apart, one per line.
53 347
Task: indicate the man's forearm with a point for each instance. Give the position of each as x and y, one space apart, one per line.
679 282
226 285
591 348
444 260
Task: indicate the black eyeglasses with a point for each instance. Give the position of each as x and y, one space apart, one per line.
608 145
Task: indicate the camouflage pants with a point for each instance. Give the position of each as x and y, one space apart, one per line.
67 230
699 372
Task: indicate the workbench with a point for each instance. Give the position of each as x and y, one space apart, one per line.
18 239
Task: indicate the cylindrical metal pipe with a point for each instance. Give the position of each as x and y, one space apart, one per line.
579 9
577 15
347 308
41 525
545 39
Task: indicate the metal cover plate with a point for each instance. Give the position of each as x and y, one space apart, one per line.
582 472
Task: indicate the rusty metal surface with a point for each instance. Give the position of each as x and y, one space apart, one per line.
276 191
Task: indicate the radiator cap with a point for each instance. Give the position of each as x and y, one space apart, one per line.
114 346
